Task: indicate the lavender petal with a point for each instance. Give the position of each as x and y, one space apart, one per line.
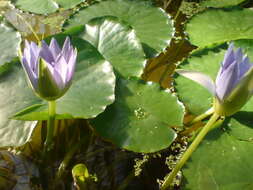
226 81
229 57
66 49
200 78
62 67
54 48
46 54
30 74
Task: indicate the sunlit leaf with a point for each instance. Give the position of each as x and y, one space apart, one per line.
45 6
151 24
220 3
38 6
10 41
67 4
118 44
14 133
218 26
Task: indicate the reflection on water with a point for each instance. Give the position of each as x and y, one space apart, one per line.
41 24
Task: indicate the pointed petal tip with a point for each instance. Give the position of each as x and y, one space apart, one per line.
200 78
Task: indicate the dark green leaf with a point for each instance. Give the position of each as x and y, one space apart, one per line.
141 117
220 162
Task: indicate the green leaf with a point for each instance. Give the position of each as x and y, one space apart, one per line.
91 91
218 26
38 6
118 44
141 118
14 133
67 4
220 162
45 6
247 46
10 41
220 3
151 24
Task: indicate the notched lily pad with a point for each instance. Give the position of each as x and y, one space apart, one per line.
142 117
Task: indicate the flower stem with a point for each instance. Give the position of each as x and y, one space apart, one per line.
50 125
202 116
66 160
169 179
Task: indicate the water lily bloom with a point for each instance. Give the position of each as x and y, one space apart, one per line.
234 83
49 69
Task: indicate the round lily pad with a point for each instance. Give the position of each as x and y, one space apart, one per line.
142 117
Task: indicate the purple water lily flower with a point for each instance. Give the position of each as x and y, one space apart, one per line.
49 69
234 83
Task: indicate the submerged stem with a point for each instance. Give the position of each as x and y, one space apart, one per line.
50 125
29 26
169 179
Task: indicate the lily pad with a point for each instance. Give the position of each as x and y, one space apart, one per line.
141 118
118 44
14 133
220 3
45 6
216 26
10 41
220 162
38 6
152 25
67 4
91 91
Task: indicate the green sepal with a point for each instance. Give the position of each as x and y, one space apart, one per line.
47 88
238 97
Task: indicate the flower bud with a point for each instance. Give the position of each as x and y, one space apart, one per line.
234 83
49 69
